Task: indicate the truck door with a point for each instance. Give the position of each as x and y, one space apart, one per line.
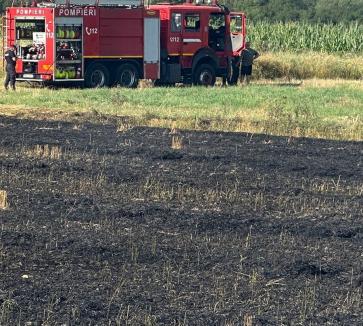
238 31
192 33
175 39
217 31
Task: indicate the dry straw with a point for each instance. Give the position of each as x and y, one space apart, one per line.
46 151
173 130
123 127
308 65
176 142
3 199
248 320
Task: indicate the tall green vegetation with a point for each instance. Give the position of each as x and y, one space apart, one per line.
294 36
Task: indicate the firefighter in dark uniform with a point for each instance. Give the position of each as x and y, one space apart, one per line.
10 58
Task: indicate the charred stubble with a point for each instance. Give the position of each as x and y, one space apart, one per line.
117 226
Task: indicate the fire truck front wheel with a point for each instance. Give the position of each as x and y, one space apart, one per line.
127 76
205 75
97 75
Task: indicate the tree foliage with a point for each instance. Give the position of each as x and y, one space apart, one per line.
4 4
334 11
328 11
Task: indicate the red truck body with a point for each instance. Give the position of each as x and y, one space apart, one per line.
107 45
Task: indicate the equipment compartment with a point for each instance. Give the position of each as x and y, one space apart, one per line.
30 39
69 50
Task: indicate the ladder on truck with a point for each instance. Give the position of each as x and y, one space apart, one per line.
97 3
5 28
122 3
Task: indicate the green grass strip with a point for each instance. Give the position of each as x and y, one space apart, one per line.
314 109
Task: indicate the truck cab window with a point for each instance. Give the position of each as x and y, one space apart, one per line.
192 22
236 24
176 22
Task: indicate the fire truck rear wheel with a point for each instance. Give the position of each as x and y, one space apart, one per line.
127 76
205 75
97 76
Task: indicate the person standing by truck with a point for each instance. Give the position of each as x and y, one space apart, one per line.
10 58
248 56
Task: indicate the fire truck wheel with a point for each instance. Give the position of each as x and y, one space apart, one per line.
205 75
97 76
127 76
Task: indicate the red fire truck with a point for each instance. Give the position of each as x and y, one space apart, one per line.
117 42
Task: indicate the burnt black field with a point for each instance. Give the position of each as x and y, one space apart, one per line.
112 226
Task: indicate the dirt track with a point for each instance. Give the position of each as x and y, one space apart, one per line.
107 226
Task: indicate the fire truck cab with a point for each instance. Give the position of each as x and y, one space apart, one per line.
117 42
199 42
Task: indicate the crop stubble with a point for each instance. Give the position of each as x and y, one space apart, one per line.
108 224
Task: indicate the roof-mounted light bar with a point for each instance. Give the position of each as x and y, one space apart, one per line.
202 2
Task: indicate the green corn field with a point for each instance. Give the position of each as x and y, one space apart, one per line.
299 37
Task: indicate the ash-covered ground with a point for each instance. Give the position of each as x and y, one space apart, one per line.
109 225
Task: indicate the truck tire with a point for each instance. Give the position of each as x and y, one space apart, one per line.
127 76
205 75
97 75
